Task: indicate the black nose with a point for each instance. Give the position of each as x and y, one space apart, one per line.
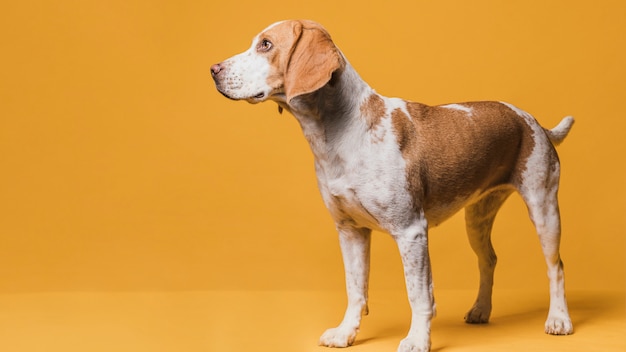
216 69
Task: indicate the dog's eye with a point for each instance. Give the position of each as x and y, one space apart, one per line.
265 45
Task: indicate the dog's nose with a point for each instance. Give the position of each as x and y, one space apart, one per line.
216 69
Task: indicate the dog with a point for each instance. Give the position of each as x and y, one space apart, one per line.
402 167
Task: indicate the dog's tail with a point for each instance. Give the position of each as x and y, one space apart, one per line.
558 134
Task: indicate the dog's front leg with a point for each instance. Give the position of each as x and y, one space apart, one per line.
355 248
413 245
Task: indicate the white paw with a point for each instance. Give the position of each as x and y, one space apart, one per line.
338 337
410 345
559 326
477 315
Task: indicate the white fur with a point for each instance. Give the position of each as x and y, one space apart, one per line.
465 109
539 191
361 172
391 104
363 169
246 76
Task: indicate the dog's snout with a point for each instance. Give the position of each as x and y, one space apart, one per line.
216 69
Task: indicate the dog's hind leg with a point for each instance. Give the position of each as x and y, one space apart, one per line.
479 218
539 191
355 249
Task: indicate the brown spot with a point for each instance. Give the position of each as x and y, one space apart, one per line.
373 110
407 139
284 37
312 58
527 145
303 56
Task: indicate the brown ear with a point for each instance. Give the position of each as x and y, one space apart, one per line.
313 60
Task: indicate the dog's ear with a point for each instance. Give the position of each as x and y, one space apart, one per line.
314 57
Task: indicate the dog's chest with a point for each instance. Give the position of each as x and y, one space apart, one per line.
362 177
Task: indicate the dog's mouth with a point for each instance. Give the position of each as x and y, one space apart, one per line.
256 98
233 93
228 94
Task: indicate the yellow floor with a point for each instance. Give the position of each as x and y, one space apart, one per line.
292 321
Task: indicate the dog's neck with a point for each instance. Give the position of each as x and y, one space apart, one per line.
342 94
327 112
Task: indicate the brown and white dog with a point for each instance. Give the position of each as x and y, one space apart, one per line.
402 167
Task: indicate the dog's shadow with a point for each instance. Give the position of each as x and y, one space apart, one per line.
586 308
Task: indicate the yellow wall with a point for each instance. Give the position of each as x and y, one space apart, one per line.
121 167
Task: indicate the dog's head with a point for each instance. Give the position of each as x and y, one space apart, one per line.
286 60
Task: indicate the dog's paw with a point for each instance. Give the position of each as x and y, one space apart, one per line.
559 326
338 337
477 315
411 345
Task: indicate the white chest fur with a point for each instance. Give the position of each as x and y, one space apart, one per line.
361 172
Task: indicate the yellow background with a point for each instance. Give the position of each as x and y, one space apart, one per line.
122 169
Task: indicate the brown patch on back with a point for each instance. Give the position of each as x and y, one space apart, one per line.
373 110
453 155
